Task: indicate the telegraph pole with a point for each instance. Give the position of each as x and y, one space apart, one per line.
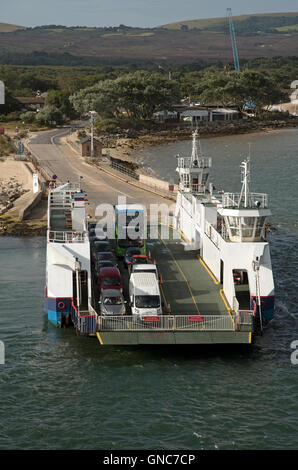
92 114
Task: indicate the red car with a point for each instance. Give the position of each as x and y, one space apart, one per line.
109 278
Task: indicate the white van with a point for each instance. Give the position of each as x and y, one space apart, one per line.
144 295
145 268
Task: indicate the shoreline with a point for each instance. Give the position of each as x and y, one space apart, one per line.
127 145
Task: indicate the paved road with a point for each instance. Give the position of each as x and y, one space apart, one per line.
58 158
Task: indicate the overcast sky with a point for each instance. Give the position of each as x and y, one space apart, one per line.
143 13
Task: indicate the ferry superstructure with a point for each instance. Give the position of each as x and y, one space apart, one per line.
229 232
68 269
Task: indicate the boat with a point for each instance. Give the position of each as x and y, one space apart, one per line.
229 231
68 296
214 268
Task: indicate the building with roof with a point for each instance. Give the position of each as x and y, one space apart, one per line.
85 147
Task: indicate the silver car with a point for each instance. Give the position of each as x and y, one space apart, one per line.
112 302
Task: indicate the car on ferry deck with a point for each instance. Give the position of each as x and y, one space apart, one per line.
112 302
130 252
109 278
99 246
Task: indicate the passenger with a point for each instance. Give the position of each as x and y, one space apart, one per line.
75 237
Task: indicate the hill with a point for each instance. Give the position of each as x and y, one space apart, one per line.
8 28
205 40
244 24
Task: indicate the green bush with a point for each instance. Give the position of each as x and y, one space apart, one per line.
28 118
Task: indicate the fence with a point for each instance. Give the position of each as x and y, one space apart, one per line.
167 323
237 199
84 322
124 170
67 237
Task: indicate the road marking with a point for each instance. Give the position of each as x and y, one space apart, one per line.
164 297
221 292
182 274
99 338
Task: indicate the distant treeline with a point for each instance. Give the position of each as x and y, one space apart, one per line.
100 85
39 58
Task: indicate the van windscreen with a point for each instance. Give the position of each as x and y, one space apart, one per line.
147 301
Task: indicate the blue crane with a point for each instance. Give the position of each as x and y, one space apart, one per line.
233 39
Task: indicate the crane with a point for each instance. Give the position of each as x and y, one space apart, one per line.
233 39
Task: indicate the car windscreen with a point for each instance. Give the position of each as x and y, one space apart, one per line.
111 281
114 300
147 301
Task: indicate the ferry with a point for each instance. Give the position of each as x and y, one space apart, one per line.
214 276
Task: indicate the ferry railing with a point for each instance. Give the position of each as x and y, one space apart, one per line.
61 236
244 320
212 233
201 162
234 200
166 323
84 322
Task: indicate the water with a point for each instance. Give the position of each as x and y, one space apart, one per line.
61 391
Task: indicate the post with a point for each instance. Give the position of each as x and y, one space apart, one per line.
77 269
92 114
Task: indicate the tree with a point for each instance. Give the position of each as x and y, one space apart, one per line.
60 100
50 115
237 88
137 95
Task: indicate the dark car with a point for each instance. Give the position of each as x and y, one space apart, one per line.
99 246
130 252
104 263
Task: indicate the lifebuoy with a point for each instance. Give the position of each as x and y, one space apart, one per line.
61 305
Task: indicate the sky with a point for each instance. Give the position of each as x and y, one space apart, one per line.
142 13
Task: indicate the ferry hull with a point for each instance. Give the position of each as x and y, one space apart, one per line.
58 310
267 304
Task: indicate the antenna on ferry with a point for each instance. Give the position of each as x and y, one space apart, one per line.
245 180
196 147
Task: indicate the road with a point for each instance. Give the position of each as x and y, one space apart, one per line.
59 159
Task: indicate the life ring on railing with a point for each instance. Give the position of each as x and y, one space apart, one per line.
61 305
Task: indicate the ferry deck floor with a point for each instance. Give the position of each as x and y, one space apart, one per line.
187 284
190 289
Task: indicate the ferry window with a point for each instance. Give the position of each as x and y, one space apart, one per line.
186 180
204 178
260 226
247 224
